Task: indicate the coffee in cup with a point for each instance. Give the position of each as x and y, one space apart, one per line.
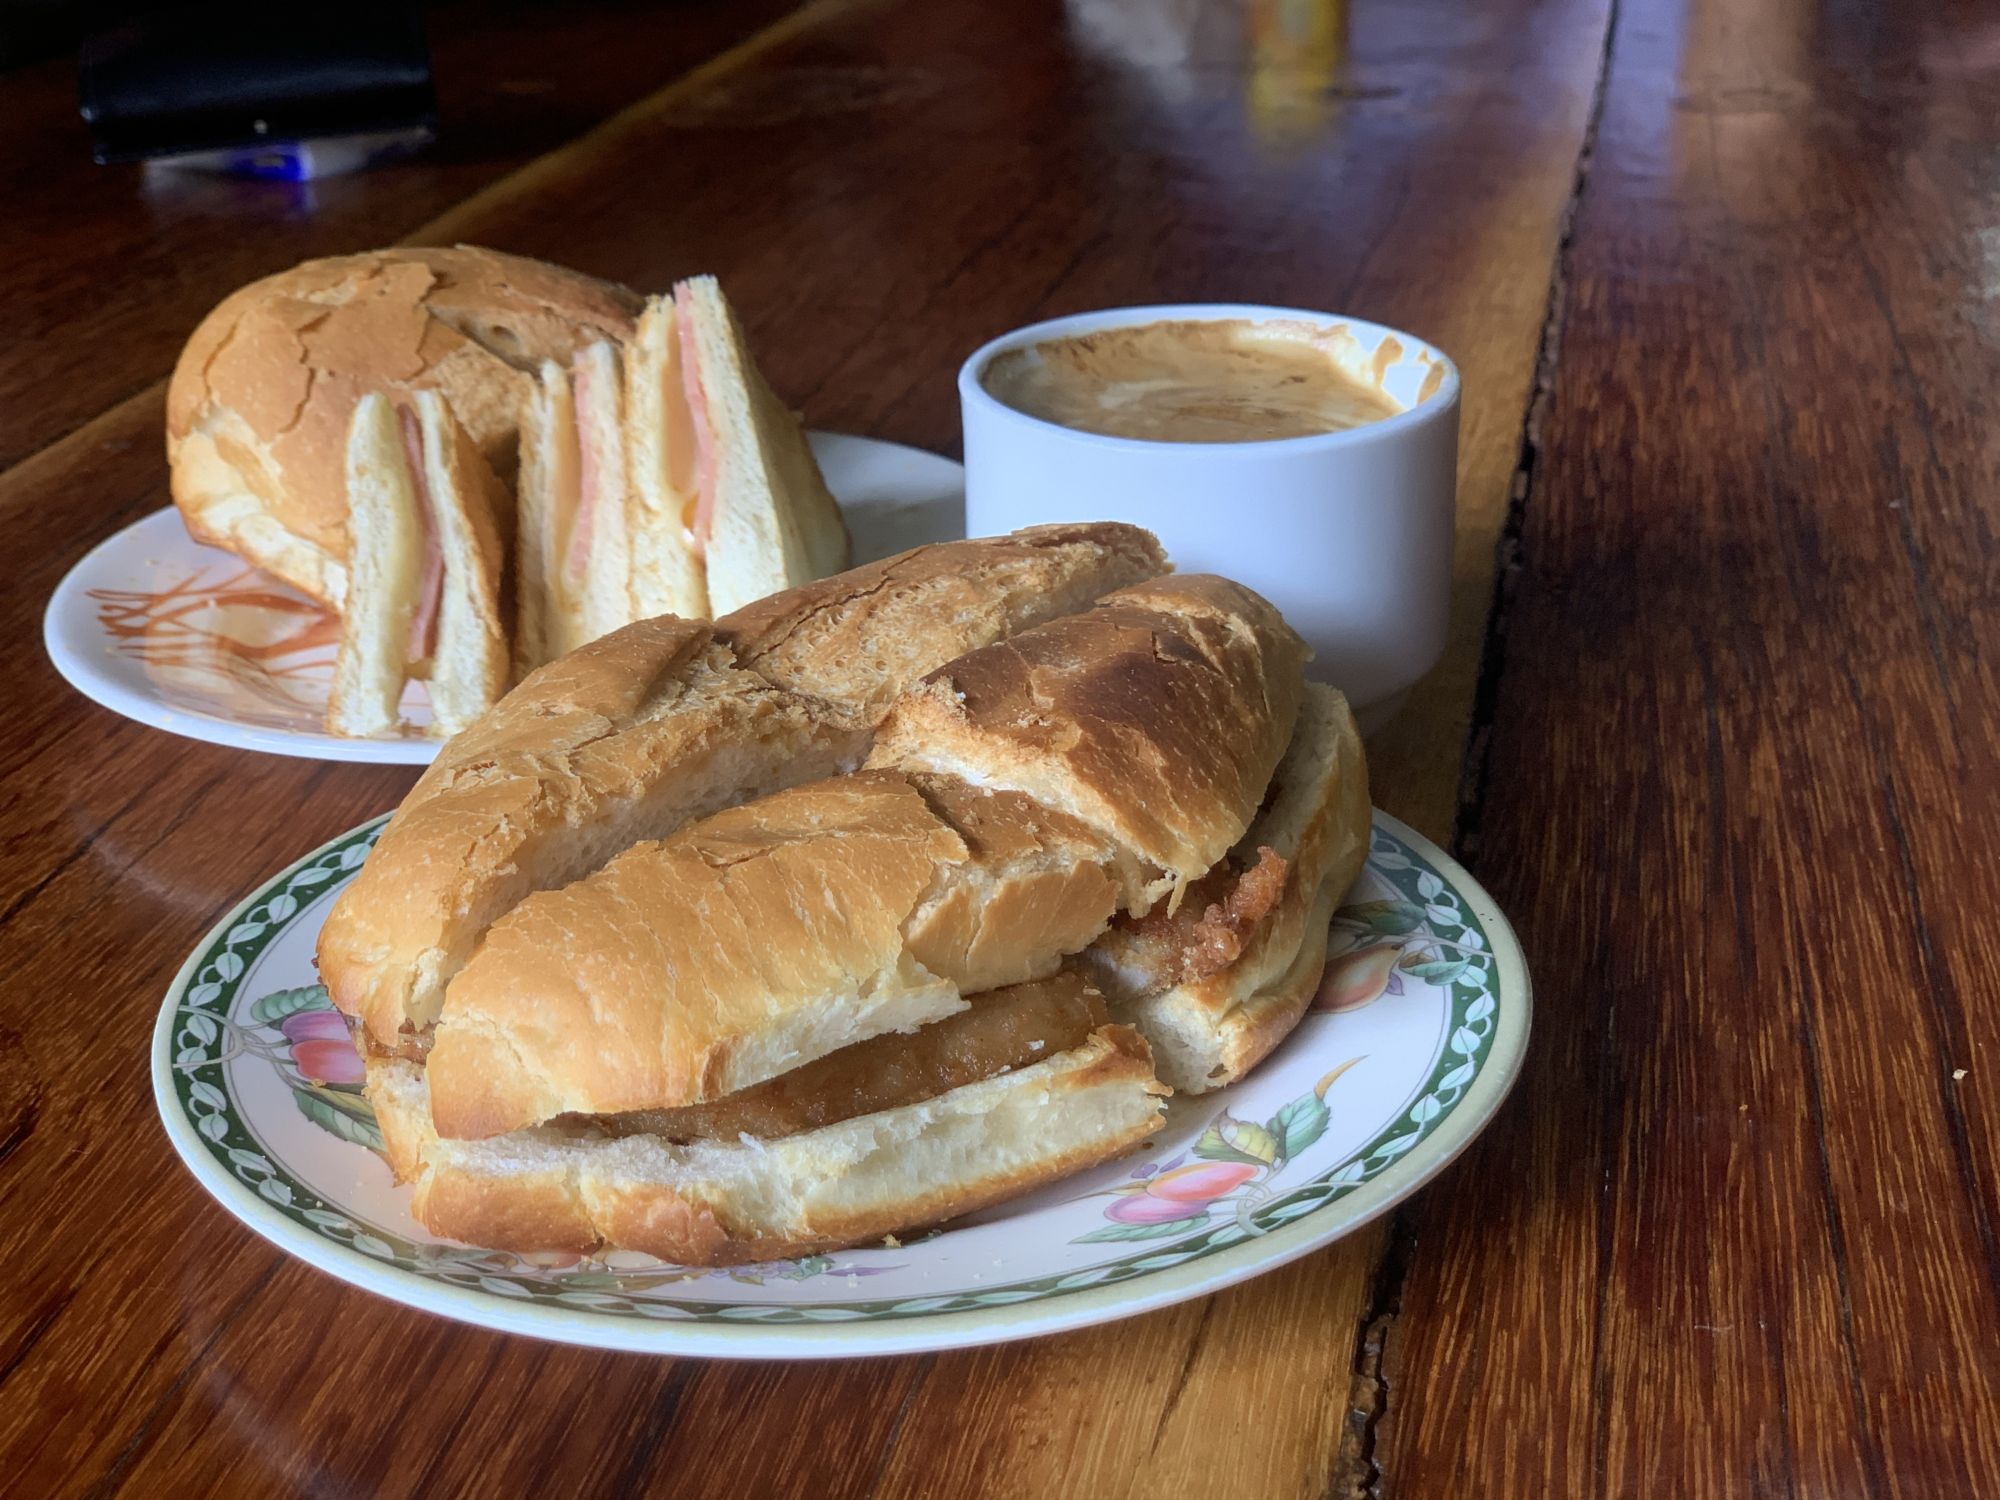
1227 380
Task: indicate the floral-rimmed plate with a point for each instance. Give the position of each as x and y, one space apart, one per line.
193 640
1415 1038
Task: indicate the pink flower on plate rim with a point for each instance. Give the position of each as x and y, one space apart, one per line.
1183 1193
323 1060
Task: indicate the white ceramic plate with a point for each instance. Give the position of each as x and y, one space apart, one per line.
195 641
1414 1040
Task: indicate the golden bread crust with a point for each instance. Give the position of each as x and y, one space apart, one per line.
260 400
1157 716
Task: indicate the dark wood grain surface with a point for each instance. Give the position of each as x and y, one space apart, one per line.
1719 741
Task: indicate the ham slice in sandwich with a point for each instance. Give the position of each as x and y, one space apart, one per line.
425 518
669 481
574 555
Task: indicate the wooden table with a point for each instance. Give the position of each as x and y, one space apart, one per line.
1716 727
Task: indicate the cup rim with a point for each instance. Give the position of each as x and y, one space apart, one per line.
972 390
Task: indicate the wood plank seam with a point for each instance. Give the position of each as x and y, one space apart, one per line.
1370 1393
1472 786
1370 1401
895 1433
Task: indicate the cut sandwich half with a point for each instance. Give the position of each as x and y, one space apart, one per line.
574 561
426 519
728 502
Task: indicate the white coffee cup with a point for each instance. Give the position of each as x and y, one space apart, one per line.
1349 533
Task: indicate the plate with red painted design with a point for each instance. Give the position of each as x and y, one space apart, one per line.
1414 1039
193 640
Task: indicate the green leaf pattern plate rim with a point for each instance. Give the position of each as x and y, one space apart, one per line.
1240 1196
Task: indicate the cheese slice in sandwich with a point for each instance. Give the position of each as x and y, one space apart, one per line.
573 570
425 517
728 503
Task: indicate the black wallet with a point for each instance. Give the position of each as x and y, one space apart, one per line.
178 79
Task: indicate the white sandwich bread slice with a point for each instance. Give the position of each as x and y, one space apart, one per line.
426 518
573 571
668 574
729 504
385 566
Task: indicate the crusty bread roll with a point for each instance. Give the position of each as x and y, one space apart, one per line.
712 1202
865 1002
1215 987
668 720
854 642
260 401
834 912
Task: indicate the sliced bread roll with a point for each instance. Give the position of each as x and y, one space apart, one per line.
622 740
1215 986
773 934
